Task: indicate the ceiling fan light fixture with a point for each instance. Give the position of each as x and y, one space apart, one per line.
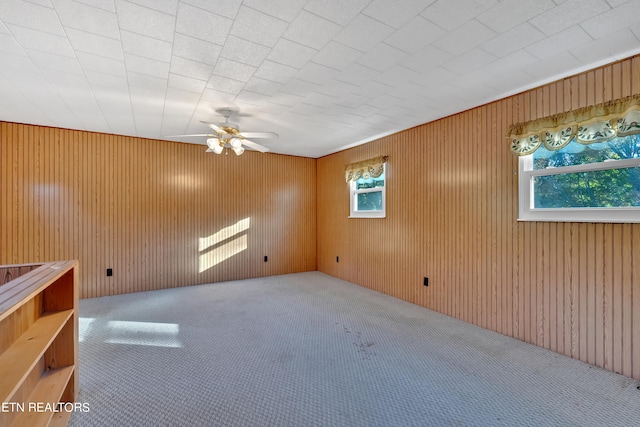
214 145
228 135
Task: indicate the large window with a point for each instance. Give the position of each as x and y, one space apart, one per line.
596 182
368 197
581 165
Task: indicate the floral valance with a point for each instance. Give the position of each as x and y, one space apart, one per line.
365 169
587 125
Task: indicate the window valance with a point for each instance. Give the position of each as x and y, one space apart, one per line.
588 125
365 169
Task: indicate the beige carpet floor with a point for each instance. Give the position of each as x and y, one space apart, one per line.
311 350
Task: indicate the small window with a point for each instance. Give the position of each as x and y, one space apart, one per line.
368 197
597 182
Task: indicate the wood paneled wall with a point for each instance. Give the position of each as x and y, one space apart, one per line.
160 214
452 198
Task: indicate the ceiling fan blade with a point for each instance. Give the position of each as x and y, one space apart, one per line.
191 134
258 147
213 126
259 134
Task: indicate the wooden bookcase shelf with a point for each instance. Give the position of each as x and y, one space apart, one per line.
38 343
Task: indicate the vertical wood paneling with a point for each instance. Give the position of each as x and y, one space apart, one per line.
452 201
140 207
634 342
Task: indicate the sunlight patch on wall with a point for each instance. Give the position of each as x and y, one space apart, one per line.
221 253
224 234
144 333
223 244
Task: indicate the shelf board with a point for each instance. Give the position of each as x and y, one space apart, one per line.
21 289
19 359
48 390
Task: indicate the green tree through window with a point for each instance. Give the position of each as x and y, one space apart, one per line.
368 197
587 189
371 201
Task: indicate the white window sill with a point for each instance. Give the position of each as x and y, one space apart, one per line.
603 215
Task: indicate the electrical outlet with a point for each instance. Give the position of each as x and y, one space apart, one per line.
426 281
266 258
109 272
337 259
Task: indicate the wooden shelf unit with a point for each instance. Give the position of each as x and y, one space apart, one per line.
38 342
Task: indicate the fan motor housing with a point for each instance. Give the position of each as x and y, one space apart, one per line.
230 128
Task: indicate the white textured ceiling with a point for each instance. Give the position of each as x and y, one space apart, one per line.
324 74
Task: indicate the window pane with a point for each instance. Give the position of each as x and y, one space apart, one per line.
369 201
574 153
370 183
593 189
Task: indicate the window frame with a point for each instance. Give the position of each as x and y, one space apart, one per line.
353 195
526 211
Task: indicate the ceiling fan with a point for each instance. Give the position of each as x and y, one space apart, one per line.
228 135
